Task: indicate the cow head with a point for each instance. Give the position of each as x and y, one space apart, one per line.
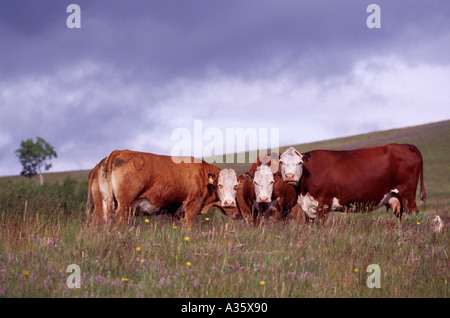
227 185
263 183
291 166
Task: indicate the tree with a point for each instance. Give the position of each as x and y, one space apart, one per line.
34 155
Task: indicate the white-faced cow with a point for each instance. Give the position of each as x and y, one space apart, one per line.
151 184
333 180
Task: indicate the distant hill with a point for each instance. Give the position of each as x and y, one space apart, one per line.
433 140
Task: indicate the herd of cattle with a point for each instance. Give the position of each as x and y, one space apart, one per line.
306 186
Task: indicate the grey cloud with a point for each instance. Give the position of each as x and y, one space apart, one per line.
160 40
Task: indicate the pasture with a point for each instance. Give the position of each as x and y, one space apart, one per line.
44 229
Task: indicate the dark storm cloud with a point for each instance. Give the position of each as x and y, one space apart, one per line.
162 39
138 69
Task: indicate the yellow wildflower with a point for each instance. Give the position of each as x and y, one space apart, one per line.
186 239
188 264
138 249
262 283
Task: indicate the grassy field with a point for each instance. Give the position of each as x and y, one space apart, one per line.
44 229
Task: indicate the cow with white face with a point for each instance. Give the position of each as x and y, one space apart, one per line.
263 182
139 182
291 166
227 185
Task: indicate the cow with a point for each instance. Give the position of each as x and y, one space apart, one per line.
327 180
226 188
264 176
149 183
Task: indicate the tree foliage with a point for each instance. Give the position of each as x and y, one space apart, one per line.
34 157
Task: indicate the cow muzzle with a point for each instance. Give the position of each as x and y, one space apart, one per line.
290 178
263 199
229 204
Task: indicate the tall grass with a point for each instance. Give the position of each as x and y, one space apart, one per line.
43 231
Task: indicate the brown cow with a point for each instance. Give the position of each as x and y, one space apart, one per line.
133 180
332 180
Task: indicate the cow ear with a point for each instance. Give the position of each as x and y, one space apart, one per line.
306 157
212 181
211 177
277 175
249 176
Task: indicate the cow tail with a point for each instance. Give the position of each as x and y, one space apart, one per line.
108 179
89 200
423 193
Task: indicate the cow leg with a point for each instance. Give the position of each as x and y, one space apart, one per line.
193 208
125 216
411 204
280 213
243 204
122 212
99 213
413 207
408 197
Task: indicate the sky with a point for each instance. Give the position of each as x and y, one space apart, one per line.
138 71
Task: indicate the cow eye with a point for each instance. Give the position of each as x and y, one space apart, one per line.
235 187
255 183
272 182
281 162
220 186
